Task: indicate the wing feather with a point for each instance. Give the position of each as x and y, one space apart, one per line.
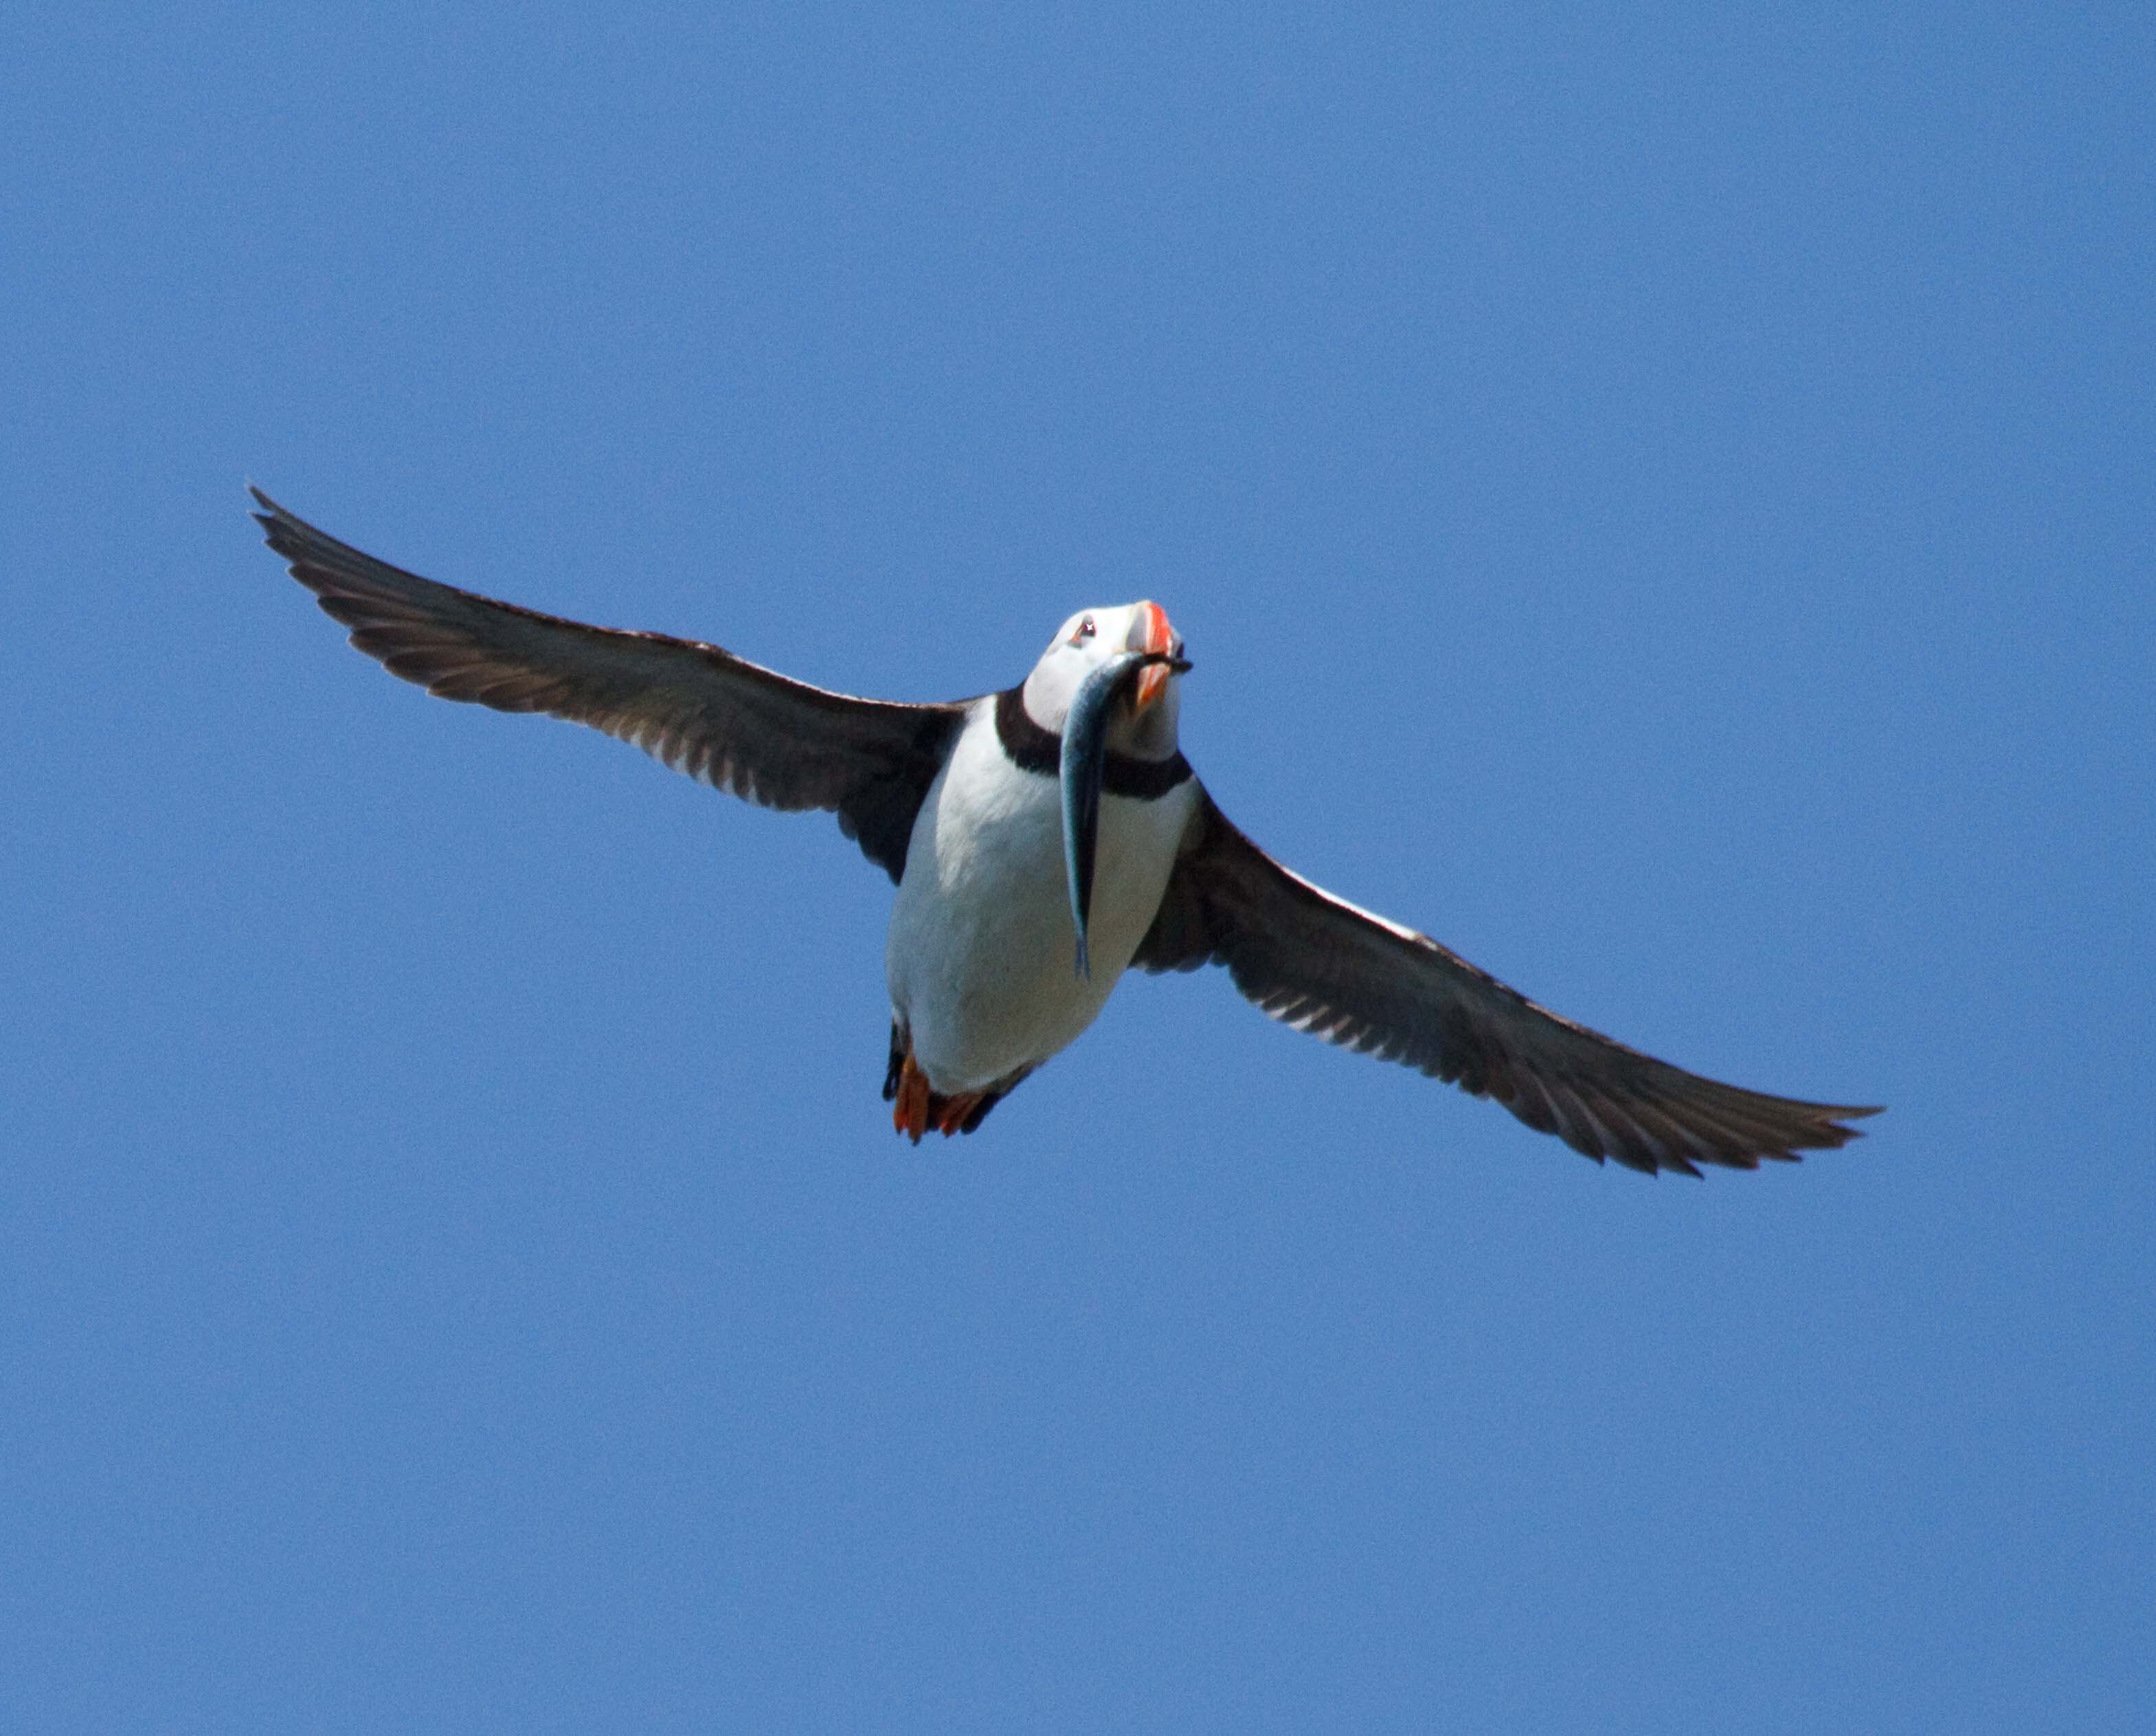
696 707
1322 965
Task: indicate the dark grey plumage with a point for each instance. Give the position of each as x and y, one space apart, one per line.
700 709
1319 963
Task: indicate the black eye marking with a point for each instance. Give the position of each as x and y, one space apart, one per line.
1085 630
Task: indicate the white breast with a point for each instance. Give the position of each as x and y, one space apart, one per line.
982 954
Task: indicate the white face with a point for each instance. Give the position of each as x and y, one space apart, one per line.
1081 645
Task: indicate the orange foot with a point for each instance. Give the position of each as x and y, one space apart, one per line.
909 1109
952 1113
916 1106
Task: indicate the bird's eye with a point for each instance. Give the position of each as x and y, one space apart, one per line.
1085 630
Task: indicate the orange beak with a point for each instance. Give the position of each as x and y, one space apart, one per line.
1159 638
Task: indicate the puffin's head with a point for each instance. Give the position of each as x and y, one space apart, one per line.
1146 726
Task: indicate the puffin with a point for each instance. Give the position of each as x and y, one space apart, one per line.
1044 840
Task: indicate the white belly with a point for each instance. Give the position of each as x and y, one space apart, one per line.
982 957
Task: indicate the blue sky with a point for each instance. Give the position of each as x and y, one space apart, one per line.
1659 496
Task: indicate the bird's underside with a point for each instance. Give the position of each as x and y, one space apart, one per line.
1302 956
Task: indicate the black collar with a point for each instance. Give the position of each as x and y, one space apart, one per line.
1032 749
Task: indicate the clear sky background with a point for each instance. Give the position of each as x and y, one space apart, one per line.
1659 496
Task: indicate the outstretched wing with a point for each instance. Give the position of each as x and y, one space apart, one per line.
1319 963
698 708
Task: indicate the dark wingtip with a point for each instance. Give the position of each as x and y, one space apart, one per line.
1832 1134
278 524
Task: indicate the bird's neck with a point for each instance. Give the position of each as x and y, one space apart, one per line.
1031 748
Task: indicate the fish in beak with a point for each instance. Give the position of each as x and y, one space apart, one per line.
1085 758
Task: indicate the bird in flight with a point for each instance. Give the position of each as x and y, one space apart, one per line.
1044 839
